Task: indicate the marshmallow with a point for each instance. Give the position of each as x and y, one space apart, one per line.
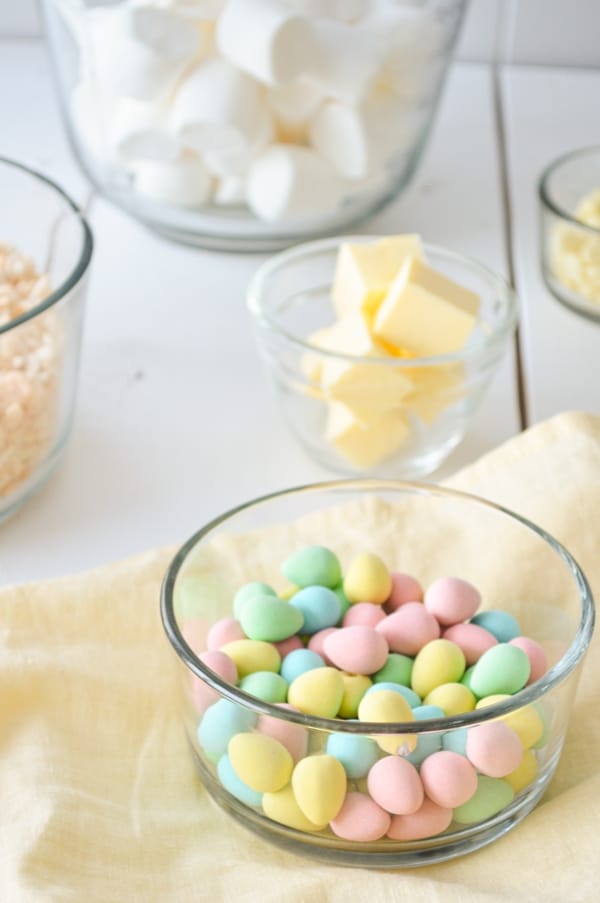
138 52
185 182
343 10
230 192
234 161
347 60
266 39
339 134
139 130
288 182
295 102
216 108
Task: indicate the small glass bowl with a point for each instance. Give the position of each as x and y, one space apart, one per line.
570 248
420 530
407 436
39 349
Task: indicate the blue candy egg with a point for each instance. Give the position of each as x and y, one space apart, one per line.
298 661
220 722
356 753
456 741
234 785
320 606
500 624
426 743
412 698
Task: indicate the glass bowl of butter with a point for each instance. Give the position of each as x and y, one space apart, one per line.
569 193
380 349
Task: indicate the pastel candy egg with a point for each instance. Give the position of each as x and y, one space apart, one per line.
397 669
234 785
395 784
289 591
356 752
194 633
367 580
526 722
439 662
284 647
319 784
453 698
490 797
355 687
411 697
364 614
317 692
387 706
223 631
466 679
344 600
494 749
317 642
265 685
502 669
525 773
320 607
313 565
252 655
472 639
298 661
290 734
500 624
538 661
270 619
451 600
448 778
203 694
427 821
409 628
260 761
219 724
283 808
427 743
360 819
456 741
250 591
404 589
359 649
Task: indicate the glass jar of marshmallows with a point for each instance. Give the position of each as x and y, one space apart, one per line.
250 124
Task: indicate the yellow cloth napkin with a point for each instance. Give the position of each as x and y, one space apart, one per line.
99 799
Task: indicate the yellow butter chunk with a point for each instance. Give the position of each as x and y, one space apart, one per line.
365 443
434 388
576 252
425 312
364 271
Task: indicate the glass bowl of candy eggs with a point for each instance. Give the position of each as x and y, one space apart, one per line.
362 677
380 348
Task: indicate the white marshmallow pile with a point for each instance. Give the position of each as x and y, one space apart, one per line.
290 107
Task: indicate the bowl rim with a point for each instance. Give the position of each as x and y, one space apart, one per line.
82 263
545 193
276 262
529 694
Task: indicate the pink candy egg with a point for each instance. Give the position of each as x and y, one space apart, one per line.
395 785
451 600
427 821
409 628
472 639
494 749
448 778
285 646
404 589
360 818
363 614
224 631
318 639
291 735
359 650
535 654
221 664
194 633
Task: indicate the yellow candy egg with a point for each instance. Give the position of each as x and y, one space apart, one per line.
260 761
367 580
287 593
524 774
319 784
355 687
252 655
438 662
389 707
452 698
283 808
317 692
526 722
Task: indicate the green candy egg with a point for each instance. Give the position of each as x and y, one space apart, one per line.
344 601
250 591
313 566
501 669
270 619
397 670
491 796
265 685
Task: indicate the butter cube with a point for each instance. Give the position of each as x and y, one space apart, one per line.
425 312
364 272
434 389
365 444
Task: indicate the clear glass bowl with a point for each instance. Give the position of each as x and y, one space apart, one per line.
417 529
570 248
211 164
290 298
39 349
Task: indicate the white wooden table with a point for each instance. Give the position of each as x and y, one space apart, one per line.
175 420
